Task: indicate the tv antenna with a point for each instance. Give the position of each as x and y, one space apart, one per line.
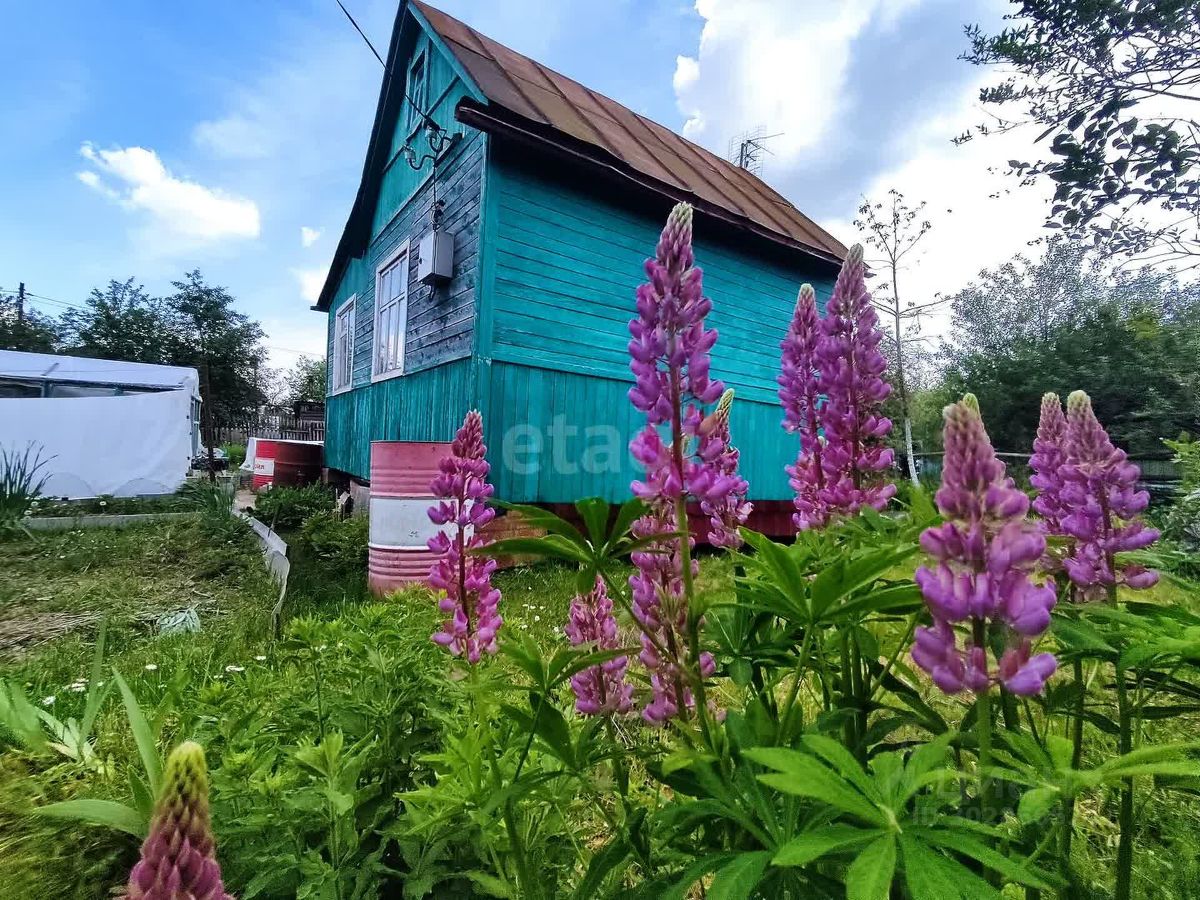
746 149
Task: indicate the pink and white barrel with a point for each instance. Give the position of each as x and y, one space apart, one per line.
401 472
264 463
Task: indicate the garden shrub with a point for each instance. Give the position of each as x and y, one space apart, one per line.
340 544
284 508
235 453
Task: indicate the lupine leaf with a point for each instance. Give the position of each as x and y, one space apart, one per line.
870 875
99 812
811 845
802 776
147 745
737 879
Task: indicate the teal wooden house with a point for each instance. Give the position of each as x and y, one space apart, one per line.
491 258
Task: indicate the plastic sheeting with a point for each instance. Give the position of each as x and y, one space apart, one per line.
119 446
85 370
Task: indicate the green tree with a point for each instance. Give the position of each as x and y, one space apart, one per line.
25 329
1061 323
305 381
1114 86
222 343
121 322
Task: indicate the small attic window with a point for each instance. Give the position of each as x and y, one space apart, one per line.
417 91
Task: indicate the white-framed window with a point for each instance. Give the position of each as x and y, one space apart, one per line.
417 90
391 315
342 366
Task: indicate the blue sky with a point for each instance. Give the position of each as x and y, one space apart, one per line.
149 138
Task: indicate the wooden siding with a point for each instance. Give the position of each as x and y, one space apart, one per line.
555 437
567 264
426 406
440 328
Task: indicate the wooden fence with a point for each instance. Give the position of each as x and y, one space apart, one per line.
274 426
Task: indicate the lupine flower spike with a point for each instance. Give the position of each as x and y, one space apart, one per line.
715 480
852 369
984 553
1047 462
1102 505
799 392
669 350
598 689
178 858
463 491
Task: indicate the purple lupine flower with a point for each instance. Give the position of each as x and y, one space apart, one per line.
1049 457
178 860
660 607
601 688
669 357
714 480
984 552
852 369
1102 505
463 491
799 392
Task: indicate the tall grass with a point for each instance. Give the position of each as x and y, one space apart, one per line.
22 478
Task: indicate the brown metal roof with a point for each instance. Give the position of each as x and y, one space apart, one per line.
556 105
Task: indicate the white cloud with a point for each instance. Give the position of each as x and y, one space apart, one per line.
309 236
177 208
981 217
311 281
806 69
770 62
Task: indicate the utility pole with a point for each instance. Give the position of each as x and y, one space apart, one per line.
21 302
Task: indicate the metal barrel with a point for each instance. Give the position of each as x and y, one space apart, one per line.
264 463
401 472
298 463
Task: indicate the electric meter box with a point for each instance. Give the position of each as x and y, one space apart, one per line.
435 257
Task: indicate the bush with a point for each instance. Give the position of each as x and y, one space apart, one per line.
236 454
341 544
285 508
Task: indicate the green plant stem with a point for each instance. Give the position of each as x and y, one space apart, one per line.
537 715
785 721
317 691
1068 824
877 683
983 733
1125 816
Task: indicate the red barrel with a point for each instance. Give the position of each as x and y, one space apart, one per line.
264 463
298 463
401 472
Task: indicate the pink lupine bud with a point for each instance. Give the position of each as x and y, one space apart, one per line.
470 601
713 478
984 553
799 392
851 379
1049 457
1101 507
178 856
599 689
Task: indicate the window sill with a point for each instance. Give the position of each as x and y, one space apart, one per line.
385 376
